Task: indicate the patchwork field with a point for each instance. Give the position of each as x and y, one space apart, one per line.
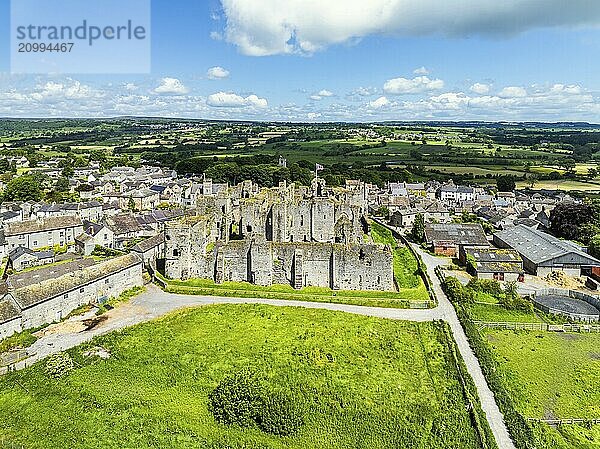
356 382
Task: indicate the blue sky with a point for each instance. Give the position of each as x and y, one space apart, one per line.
350 60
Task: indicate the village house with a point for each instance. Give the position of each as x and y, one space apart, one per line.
44 233
151 249
21 258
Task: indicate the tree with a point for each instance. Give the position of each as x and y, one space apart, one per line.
131 204
567 218
23 188
383 211
594 246
418 229
506 184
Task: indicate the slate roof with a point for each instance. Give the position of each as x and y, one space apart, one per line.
91 228
149 243
8 215
46 224
538 246
123 224
499 267
458 233
42 274
37 293
19 251
494 255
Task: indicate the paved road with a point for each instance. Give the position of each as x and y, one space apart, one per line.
448 314
155 303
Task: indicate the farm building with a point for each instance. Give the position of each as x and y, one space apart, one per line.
51 293
543 253
448 239
492 263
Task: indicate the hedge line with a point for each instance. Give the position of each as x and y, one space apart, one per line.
519 428
478 418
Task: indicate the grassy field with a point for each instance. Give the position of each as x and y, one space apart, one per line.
543 380
360 382
400 299
406 269
552 375
496 313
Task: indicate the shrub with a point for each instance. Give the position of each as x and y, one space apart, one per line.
457 292
237 399
59 365
243 399
489 286
280 415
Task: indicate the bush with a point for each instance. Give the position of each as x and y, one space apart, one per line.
489 286
237 399
59 365
457 292
280 415
243 399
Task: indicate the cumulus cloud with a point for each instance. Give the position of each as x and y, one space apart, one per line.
381 102
231 100
67 97
57 91
263 27
398 86
421 71
321 94
171 86
480 88
513 92
217 73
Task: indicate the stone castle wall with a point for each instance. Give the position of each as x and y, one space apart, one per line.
307 236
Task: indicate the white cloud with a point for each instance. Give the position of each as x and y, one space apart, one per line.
217 73
513 92
480 88
421 71
325 93
398 86
264 27
171 86
381 102
321 94
66 97
216 36
130 87
364 91
231 100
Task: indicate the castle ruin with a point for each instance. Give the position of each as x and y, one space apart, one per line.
296 235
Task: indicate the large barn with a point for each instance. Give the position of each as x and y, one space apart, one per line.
543 253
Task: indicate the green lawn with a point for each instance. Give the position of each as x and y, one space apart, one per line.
406 267
552 375
400 299
496 313
360 382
